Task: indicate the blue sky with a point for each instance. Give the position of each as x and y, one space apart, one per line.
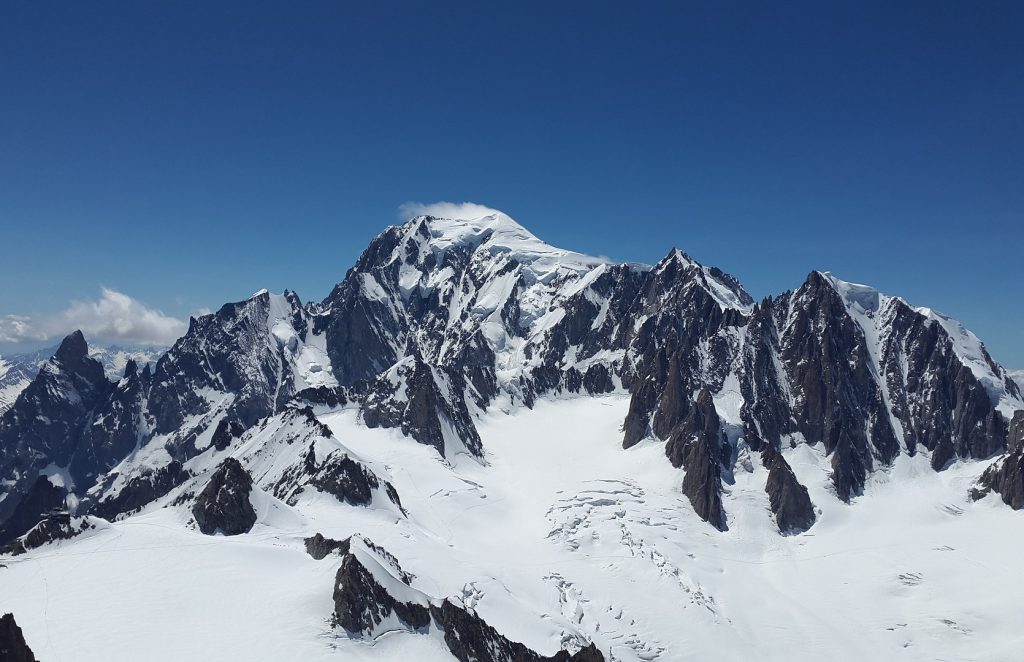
188 154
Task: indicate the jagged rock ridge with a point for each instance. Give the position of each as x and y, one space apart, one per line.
371 588
439 318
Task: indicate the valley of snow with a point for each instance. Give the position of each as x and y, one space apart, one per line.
559 536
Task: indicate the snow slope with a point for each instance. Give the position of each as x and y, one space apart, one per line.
561 536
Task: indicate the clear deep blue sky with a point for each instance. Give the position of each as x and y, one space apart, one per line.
188 154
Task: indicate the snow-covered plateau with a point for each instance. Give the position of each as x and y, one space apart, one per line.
481 447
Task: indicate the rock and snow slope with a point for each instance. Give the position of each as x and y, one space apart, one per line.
18 370
557 456
551 550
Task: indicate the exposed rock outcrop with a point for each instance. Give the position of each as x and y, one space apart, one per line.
13 647
148 486
224 505
697 445
362 601
347 480
227 430
116 429
837 400
59 526
325 465
370 588
320 547
789 500
46 422
426 402
1006 476
43 500
471 639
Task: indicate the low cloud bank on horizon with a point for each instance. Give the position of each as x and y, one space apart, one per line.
114 316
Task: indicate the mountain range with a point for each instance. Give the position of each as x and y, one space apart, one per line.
18 370
482 447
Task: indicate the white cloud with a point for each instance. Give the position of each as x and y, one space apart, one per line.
456 210
114 316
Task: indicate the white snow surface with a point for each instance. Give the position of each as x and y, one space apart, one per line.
305 357
561 537
497 233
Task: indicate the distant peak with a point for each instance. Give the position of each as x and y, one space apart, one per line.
724 288
72 348
676 255
864 296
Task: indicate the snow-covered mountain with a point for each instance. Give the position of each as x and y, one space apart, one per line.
482 447
18 370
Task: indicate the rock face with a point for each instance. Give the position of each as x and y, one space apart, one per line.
362 602
1015 437
18 370
45 424
43 500
348 480
371 587
13 647
226 430
1006 476
248 350
829 369
224 506
427 403
149 485
115 430
440 317
321 463
794 512
320 548
59 526
471 639
697 444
